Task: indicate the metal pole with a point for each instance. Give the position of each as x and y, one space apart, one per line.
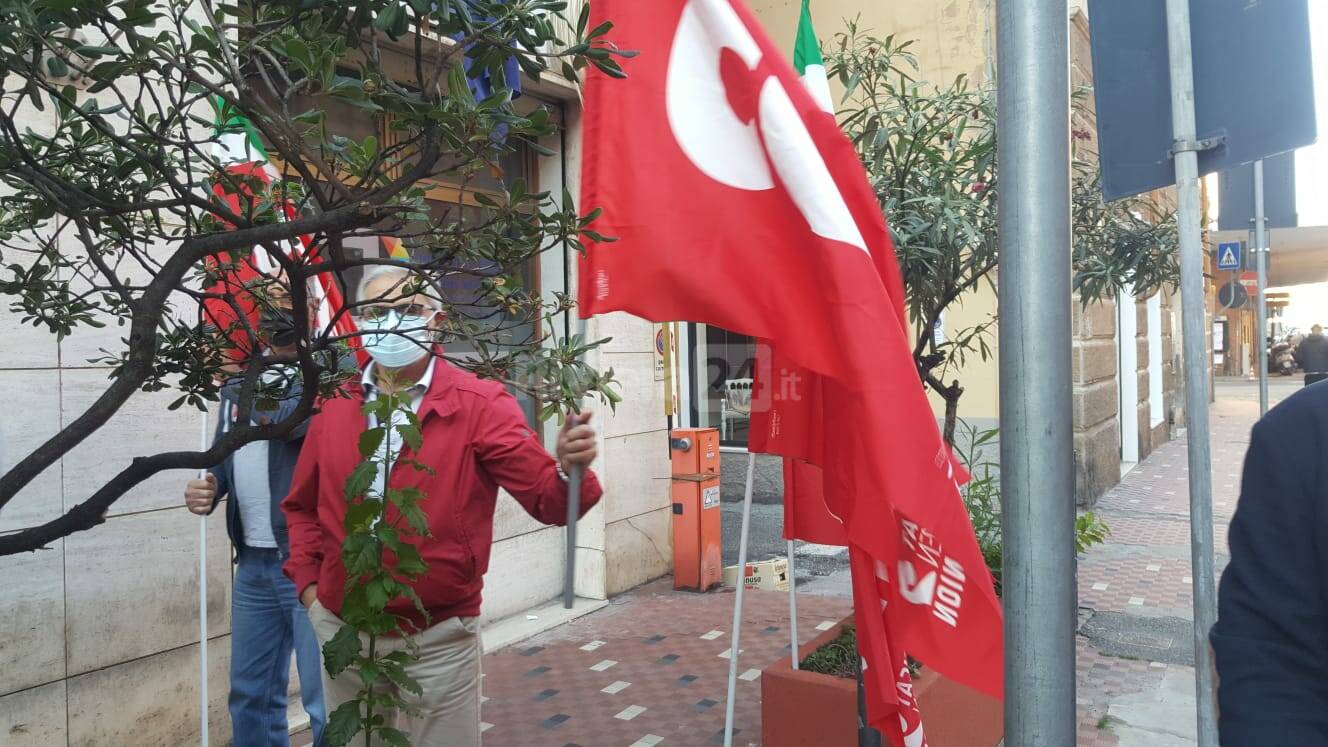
1193 318
793 605
573 513
204 441
1033 77
1261 265
867 735
737 600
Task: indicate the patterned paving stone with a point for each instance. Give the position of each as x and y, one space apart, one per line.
649 696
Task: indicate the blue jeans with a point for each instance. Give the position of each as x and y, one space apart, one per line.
267 623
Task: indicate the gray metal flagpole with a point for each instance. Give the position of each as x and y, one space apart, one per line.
737 600
1033 96
204 442
573 513
1193 322
1260 250
793 605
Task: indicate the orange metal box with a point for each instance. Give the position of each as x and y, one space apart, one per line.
698 564
701 455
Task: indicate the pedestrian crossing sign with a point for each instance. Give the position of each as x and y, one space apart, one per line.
1229 256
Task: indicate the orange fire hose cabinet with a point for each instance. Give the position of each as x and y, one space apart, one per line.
697 541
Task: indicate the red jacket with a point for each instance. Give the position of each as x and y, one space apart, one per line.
475 439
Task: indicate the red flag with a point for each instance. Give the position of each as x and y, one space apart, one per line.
240 151
712 155
886 672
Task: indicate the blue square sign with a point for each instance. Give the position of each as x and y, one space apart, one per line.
1229 256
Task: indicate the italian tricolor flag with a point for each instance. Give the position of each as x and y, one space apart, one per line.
808 62
240 153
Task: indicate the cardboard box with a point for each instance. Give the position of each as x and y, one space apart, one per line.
766 575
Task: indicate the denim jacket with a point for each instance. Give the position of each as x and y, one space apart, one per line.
282 455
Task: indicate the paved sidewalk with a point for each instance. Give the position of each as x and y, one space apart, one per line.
1136 645
650 669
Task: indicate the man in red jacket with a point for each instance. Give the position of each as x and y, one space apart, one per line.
475 439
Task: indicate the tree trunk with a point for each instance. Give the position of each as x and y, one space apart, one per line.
951 395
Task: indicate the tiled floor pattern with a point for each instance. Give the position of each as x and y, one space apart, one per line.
1102 678
1144 568
650 669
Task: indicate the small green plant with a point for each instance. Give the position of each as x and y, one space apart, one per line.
982 498
1104 723
837 657
373 581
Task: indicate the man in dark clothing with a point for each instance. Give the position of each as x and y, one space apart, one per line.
1312 356
1271 636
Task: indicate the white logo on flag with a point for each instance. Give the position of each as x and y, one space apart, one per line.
941 587
733 151
916 590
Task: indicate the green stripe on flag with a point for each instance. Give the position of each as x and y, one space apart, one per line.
807 48
230 121
808 62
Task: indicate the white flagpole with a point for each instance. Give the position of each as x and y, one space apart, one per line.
204 442
793 605
737 600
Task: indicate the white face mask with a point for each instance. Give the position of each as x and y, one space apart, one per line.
397 349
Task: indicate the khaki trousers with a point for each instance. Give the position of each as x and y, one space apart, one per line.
448 670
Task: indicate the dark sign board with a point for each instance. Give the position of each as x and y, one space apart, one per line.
1236 195
1253 86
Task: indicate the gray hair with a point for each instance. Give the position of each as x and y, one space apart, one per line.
374 273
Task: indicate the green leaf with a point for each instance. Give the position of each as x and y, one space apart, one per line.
376 593
362 514
343 724
93 51
340 652
392 737
410 435
409 562
360 479
370 440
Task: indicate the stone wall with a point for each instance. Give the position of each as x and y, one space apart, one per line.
99 632
637 540
1095 396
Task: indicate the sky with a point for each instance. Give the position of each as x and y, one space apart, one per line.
1309 303
1312 162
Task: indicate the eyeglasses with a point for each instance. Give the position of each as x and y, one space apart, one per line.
378 313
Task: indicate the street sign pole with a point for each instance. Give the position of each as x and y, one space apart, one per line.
1260 250
1037 433
1193 302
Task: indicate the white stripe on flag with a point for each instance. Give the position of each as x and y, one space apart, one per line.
813 77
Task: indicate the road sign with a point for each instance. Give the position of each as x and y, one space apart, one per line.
1236 195
1253 87
1232 296
1250 280
1229 256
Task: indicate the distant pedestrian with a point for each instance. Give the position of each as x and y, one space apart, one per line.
1271 636
1312 356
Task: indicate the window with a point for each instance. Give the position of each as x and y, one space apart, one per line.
724 399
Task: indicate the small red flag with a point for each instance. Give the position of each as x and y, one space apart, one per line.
712 156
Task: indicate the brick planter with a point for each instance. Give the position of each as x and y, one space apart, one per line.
800 708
